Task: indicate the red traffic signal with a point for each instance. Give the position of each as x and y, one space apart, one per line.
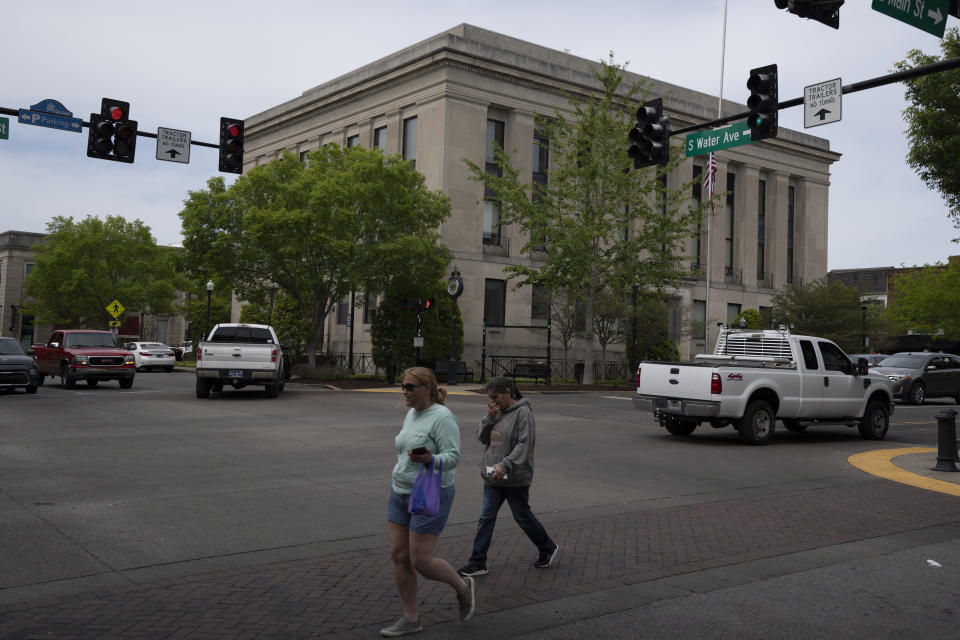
113 136
231 145
427 304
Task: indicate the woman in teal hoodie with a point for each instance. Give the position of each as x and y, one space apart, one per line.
508 434
430 433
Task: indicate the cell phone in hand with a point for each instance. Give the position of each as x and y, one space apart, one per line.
419 451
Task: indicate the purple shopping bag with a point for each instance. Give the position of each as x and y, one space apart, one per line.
425 497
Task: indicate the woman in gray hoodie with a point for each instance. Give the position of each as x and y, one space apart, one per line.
507 434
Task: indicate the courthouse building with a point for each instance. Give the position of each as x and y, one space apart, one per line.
444 99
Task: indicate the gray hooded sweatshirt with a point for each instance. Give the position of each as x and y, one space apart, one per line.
507 439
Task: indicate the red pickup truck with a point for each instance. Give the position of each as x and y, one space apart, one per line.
85 354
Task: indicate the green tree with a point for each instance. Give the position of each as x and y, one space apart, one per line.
825 308
347 219
933 122
927 300
751 319
395 326
81 267
282 313
564 319
603 226
653 343
610 316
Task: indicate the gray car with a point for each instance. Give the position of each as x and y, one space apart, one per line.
920 375
17 367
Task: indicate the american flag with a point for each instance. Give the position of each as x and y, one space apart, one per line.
710 177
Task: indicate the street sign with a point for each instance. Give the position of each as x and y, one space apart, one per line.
822 102
733 135
50 113
929 15
116 323
115 308
173 145
4 128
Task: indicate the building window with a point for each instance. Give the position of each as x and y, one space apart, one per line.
410 140
541 163
728 238
790 227
733 310
380 138
369 307
494 302
343 309
27 269
697 263
699 328
761 227
540 307
491 222
767 314
353 141
304 160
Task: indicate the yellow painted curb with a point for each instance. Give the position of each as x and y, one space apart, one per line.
389 390
880 463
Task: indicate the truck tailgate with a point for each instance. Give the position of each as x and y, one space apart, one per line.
670 380
237 356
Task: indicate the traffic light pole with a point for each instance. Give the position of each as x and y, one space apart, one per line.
891 78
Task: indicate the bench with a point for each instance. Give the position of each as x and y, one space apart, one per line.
534 370
442 369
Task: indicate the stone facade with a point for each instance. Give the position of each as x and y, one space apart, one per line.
456 81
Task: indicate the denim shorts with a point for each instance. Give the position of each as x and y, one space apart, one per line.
425 525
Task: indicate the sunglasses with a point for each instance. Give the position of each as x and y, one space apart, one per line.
409 386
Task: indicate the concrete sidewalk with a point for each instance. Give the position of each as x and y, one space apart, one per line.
609 561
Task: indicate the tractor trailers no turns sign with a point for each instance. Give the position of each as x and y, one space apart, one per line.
821 103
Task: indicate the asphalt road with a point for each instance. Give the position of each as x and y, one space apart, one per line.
103 488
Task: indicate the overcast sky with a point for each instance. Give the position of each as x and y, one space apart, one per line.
172 63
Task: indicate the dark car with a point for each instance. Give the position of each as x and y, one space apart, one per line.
17 367
920 375
873 359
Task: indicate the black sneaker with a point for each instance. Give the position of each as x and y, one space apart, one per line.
472 569
546 559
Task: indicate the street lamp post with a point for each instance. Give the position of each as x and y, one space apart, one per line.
206 327
454 289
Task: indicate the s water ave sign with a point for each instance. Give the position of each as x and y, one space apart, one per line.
734 135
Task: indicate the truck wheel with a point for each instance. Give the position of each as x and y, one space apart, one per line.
875 421
917 393
41 377
31 388
756 426
794 425
203 388
273 390
126 383
678 427
65 380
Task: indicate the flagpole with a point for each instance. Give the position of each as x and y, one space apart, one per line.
723 51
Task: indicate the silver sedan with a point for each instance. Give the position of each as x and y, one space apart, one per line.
151 355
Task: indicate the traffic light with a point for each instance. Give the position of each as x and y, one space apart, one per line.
231 145
426 304
763 102
650 138
825 11
113 136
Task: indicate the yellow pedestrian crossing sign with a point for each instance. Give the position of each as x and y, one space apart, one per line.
115 308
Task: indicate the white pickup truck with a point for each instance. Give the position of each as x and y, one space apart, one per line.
240 355
754 378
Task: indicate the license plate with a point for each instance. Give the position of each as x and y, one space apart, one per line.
236 373
674 404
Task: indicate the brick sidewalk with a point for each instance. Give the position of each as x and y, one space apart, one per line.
352 595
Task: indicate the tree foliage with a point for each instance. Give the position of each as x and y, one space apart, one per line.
610 316
591 198
825 308
933 122
927 300
346 219
394 328
751 319
81 267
